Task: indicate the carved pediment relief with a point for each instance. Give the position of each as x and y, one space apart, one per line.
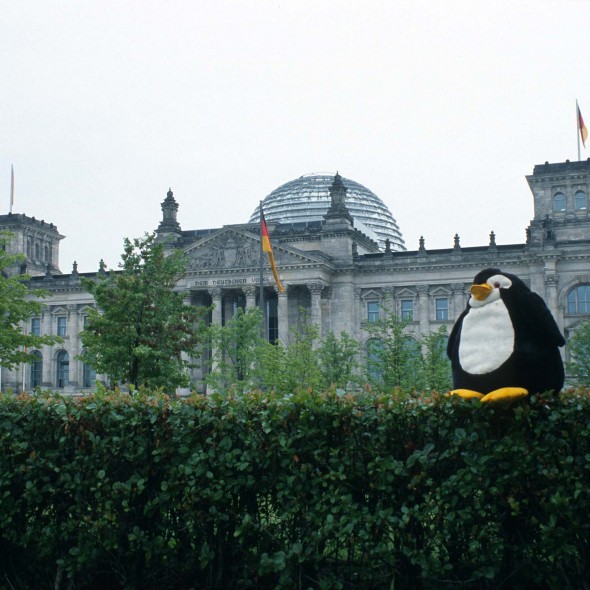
234 249
225 250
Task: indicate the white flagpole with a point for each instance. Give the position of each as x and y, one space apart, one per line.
11 186
578 128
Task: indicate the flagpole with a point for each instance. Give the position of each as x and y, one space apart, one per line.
11 187
261 297
578 128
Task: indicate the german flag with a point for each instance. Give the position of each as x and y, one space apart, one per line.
267 247
581 126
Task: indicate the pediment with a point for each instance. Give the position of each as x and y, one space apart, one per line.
405 293
372 294
235 248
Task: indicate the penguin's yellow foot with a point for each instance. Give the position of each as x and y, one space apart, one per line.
504 394
466 393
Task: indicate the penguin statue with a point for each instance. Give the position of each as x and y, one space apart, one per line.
504 346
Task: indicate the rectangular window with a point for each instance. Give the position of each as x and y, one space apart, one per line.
372 311
36 326
62 322
407 308
442 308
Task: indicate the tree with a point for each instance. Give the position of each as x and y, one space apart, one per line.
288 368
16 308
435 373
393 357
141 326
237 352
579 351
338 359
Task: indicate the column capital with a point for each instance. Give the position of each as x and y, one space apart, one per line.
282 293
423 289
216 292
315 288
250 291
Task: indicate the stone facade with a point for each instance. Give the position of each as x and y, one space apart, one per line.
333 271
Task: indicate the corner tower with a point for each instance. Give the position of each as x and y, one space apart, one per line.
560 193
36 240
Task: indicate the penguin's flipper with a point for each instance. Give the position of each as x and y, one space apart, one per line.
504 394
540 320
466 393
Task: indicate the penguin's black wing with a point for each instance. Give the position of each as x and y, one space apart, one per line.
539 320
455 333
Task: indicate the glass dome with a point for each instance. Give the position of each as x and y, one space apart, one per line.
307 199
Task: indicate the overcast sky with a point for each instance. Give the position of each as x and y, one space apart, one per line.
441 108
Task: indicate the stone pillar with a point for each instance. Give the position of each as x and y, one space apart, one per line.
47 379
458 301
388 302
184 356
250 293
73 335
423 309
551 282
283 314
357 317
216 300
316 304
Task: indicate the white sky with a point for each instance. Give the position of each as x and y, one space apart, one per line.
441 108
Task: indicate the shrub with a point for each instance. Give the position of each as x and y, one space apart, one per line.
302 491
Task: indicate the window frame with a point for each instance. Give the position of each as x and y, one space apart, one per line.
61 328
407 314
36 326
559 196
441 314
576 305
373 312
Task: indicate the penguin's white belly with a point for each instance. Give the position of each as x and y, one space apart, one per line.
487 338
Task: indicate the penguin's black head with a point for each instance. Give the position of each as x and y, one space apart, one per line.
490 284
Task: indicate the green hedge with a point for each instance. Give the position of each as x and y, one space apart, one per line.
314 491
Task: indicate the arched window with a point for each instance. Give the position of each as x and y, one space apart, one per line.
62 368
558 202
37 251
578 299
580 201
29 247
36 369
45 253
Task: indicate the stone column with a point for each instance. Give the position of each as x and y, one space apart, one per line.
388 302
73 336
551 282
356 314
458 301
47 379
283 314
216 300
316 304
184 356
423 309
250 293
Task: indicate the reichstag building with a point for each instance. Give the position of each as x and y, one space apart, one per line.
341 257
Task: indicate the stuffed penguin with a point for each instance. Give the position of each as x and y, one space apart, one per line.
505 344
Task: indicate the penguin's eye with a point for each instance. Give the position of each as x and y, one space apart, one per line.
500 282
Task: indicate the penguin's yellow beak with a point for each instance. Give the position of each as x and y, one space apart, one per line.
480 292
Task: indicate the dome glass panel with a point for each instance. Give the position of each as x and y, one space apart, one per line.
307 199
